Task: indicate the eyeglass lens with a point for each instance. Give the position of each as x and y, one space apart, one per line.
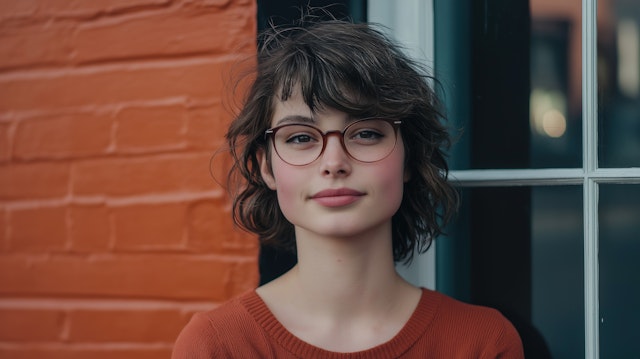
365 140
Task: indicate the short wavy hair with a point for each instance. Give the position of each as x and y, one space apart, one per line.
356 69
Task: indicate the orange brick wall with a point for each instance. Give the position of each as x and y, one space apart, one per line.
112 231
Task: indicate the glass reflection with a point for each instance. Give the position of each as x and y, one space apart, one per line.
555 102
520 250
512 76
619 211
557 268
619 82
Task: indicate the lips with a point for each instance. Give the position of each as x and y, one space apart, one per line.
337 197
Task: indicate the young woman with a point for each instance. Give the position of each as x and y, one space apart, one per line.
340 149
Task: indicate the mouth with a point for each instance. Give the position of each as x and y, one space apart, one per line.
337 197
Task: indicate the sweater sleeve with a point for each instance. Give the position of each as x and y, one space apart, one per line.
198 340
509 344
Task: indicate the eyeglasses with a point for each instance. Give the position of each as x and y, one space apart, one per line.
367 140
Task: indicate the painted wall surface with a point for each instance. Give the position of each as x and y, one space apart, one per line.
112 229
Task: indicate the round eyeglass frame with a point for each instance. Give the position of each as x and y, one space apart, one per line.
271 132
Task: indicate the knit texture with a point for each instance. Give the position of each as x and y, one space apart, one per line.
440 327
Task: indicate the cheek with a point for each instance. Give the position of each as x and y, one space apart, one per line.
392 178
287 180
390 175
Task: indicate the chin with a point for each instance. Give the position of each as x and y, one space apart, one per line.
349 229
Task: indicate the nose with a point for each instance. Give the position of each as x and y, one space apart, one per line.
335 161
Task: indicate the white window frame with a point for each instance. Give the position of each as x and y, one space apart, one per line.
412 25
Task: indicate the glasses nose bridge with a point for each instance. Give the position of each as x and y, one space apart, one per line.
340 135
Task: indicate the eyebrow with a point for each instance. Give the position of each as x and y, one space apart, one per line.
305 119
295 119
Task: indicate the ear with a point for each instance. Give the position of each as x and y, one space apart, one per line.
265 169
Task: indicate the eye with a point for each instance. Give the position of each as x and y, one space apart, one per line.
369 132
367 135
300 138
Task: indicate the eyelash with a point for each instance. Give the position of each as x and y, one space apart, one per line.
296 138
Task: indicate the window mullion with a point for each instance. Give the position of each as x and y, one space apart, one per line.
517 177
411 25
590 165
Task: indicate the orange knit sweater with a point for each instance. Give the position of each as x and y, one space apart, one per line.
440 327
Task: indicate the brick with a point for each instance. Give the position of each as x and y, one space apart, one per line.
102 85
159 325
62 351
177 32
206 127
207 228
211 229
4 231
5 142
149 226
63 136
144 129
40 41
220 164
66 8
34 180
90 229
244 277
30 324
38 229
143 175
210 3
34 44
155 276
64 58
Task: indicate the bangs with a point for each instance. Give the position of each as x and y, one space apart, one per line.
328 74
326 84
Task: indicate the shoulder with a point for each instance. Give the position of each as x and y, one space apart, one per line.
207 334
467 312
480 329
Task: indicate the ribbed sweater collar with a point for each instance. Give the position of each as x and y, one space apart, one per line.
413 329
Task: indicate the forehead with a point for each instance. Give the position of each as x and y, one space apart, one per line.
295 109
294 104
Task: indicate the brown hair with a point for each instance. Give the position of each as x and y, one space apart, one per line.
331 61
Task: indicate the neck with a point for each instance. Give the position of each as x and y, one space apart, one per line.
343 276
347 288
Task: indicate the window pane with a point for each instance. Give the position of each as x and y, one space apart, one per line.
619 256
520 250
555 102
619 83
557 269
511 75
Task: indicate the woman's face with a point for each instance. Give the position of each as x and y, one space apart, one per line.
335 195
